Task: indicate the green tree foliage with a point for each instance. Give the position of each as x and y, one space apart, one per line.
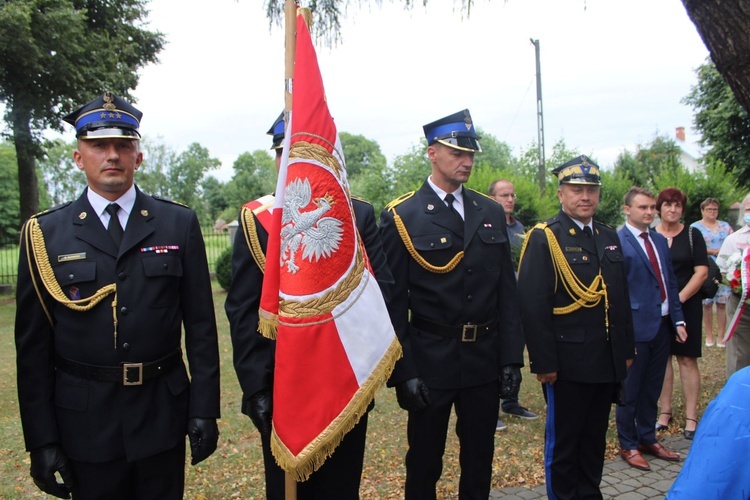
254 176
185 178
63 180
410 169
661 155
58 54
158 160
224 268
723 123
366 169
8 194
715 182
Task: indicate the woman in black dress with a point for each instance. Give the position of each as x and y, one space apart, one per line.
691 269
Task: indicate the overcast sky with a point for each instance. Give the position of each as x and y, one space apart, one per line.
613 73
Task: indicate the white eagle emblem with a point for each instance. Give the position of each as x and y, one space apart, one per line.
319 236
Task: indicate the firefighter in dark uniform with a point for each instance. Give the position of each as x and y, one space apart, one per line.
576 317
104 394
339 477
455 311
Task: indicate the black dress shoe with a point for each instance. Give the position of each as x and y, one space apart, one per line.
660 427
691 434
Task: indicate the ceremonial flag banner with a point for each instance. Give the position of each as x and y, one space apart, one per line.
335 345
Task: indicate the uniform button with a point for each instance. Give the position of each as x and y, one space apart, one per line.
432 245
124 310
470 297
469 271
126 346
70 276
122 276
166 266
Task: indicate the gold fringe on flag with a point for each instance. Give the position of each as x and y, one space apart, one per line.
314 454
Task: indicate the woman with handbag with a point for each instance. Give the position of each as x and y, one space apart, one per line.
690 263
714 233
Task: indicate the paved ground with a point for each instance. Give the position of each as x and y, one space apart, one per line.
621 481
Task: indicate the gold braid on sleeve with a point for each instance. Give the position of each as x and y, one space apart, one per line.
35 244
450 266
251 237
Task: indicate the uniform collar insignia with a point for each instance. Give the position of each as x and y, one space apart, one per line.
82 215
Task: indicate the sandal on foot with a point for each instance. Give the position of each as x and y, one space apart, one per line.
691 434
709 344
660 427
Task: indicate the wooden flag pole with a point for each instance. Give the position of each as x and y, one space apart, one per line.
290 31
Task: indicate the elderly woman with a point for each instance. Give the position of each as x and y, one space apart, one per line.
714 233
691 269
738 347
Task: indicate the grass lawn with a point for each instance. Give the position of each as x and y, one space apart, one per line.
236 469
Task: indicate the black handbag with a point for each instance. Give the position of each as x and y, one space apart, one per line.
711 285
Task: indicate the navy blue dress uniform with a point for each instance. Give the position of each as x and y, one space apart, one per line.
339 477
104 393
576 317
455 311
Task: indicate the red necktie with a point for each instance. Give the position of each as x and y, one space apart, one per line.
655 264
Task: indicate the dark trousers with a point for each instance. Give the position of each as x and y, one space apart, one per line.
636 421
338 477
476 412
576 438
158 477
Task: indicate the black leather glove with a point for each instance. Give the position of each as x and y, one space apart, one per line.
510 381
261 411
44 463
204 436
413 394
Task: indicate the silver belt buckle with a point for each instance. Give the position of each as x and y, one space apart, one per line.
128 366
469 333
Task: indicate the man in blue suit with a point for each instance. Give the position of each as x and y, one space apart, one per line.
657 315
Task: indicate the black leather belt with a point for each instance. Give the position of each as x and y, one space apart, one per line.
126 373
467 333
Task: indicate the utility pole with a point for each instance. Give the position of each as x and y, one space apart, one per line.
540 118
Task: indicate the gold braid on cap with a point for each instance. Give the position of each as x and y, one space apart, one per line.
35 244
450 266
251 237
582 295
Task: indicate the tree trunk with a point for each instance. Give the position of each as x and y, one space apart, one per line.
725 29
26 148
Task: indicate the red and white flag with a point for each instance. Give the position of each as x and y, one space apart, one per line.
335 345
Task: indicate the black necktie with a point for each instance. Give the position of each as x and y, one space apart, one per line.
587 231
114 228
449 199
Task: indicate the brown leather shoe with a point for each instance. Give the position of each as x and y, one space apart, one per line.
659 451
635 459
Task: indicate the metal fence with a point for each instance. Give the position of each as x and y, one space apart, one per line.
216 243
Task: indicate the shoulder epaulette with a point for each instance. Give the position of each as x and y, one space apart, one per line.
541 225
50 210
251 237
399 200
171 201
361 200
481 193
603 224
